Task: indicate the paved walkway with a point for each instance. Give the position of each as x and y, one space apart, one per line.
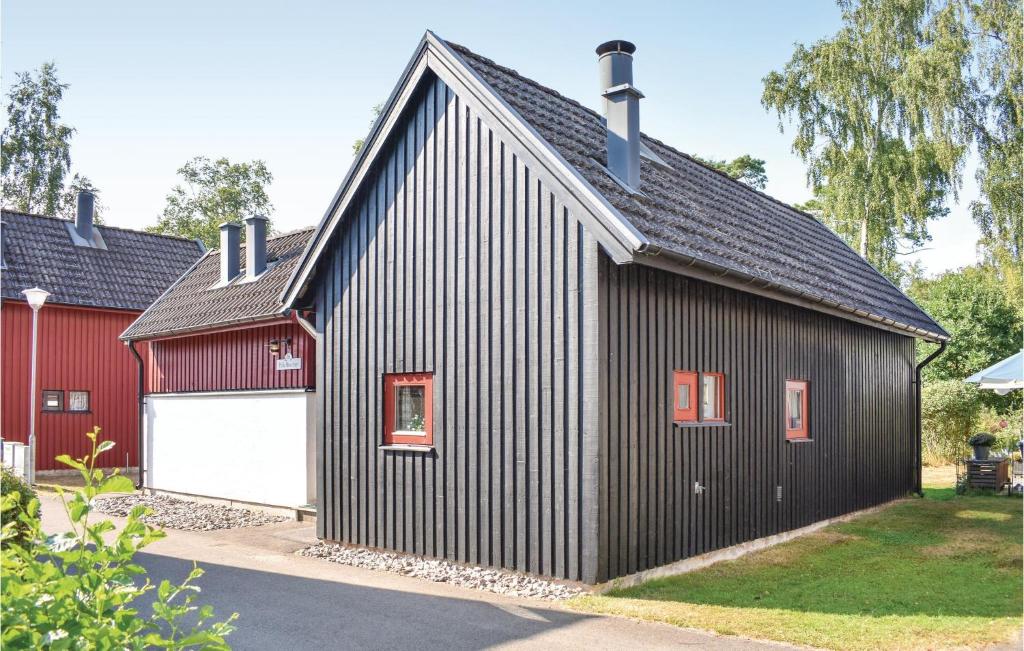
296 603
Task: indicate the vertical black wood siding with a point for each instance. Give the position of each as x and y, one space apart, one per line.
554 446
860 411
457 260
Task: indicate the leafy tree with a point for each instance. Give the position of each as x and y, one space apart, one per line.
984 326
357 146
744 168
811 206
949 413
36 148
68 208
999 132
876 110
214 192
82 589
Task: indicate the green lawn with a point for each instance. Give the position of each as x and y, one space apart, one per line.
942 572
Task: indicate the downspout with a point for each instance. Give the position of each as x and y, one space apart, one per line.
306 325
142 408
917 398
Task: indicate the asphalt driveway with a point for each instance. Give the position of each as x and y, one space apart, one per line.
295 603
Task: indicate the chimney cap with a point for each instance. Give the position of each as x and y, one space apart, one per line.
229 225
259 217
618 45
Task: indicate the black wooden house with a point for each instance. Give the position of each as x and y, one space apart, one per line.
554 344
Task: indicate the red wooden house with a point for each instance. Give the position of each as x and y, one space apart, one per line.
230 373
100 278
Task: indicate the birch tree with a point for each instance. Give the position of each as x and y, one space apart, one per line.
877 111
35 154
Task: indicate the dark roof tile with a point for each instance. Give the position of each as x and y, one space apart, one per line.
133 270
701 213
194 304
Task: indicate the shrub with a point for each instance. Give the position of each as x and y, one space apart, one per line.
1005 427
81 589
982 438
949 410
21 496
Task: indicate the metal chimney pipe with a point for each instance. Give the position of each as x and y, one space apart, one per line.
84 215
615 66
621 109
230 236
255 246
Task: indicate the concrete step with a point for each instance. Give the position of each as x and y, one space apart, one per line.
306 513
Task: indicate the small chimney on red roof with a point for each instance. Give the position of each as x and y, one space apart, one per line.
230 235
255 246
85 214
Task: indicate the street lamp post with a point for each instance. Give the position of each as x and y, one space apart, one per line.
35 297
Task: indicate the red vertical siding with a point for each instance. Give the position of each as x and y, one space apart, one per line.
232 360
79 350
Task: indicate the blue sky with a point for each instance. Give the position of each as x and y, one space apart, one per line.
292 83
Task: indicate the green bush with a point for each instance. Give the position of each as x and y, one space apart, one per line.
1005 427
21 496
949 411
981 438
80 589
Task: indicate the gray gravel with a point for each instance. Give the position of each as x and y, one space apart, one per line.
185 515
443 571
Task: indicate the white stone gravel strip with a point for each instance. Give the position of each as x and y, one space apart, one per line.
443 571
185 515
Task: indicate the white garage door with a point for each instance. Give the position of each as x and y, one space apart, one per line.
252 446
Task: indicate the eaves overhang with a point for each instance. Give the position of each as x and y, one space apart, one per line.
693 267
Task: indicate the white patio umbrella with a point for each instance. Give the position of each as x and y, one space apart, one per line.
1002 377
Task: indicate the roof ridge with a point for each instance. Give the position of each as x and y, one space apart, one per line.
462 49
297 231
294 231
668 219
14 211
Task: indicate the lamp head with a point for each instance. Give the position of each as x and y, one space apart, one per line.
35 297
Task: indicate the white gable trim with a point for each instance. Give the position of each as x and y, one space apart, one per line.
616 234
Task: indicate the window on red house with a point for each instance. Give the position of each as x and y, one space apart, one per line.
408 409
78 401
685 396
796 409
713 397
53 400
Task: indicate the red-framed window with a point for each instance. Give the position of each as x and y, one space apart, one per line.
796 410
712 397
408 409
684 396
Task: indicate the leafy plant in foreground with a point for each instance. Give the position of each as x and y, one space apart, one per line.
83 590
12 483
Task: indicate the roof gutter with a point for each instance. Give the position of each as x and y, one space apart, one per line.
917 406
141 389
769 289
209 329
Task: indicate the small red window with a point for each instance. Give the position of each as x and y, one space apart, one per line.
684 396
408 409
796 409
713 397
